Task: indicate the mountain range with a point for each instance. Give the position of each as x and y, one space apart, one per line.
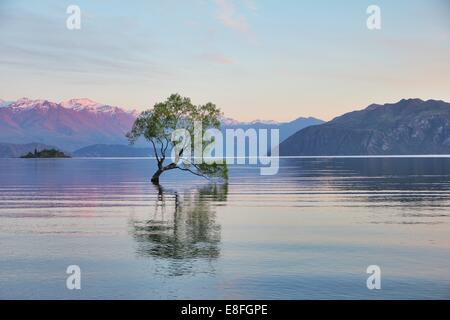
89 129
69 124
79 123
408 127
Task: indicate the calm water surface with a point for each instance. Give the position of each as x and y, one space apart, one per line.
309 232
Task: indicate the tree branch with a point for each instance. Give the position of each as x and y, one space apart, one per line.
170 167
155 151
163 155
174 166
167 145
193 172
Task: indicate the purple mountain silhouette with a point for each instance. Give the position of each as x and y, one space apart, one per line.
70 124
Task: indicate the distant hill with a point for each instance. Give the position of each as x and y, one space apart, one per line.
77 123
10 150
410 126
102 150
286 128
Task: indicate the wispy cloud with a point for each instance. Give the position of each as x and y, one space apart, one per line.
217 58
251 5
232 19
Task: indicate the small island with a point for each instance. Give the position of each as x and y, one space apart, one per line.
46 153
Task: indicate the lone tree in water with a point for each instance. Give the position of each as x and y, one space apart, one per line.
158 124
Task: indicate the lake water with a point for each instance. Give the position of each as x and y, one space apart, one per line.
309 232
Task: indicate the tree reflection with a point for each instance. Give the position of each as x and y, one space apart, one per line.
182 227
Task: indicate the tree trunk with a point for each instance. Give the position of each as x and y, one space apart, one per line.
155 178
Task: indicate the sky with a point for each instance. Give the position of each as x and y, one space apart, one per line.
255 59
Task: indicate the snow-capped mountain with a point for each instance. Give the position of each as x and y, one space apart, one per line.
27 104
88 105
83 104
228 121
4 103
70 124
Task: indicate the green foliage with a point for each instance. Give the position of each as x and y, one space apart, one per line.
158 124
